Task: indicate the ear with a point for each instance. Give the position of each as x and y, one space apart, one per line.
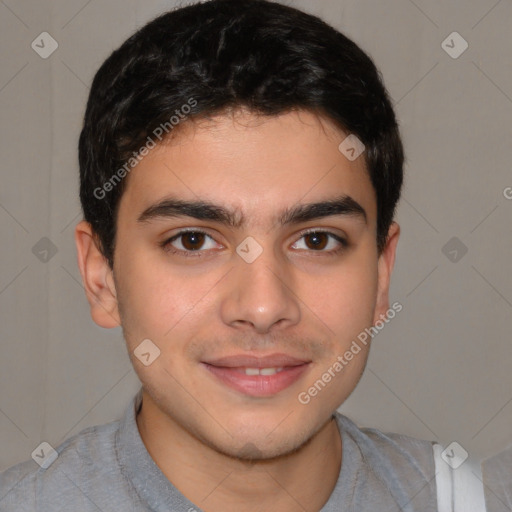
385 268
97 277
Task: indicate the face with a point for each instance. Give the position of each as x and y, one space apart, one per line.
255 291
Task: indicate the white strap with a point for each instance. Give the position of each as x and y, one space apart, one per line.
444 482
458 490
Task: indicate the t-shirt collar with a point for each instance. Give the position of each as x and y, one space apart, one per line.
153 487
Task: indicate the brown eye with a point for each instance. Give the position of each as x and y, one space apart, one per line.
189 243
317 240
192 241
322 242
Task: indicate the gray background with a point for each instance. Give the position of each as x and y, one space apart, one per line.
440 370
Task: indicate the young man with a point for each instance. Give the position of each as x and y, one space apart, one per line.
240 165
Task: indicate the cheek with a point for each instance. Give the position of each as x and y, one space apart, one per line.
159 302
346 301
149 301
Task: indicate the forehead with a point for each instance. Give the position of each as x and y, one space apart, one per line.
255 165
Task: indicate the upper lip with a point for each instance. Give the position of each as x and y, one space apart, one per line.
269 361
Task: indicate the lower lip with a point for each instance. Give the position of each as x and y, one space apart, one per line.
258 385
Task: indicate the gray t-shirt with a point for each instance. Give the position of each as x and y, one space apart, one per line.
497 477
108 469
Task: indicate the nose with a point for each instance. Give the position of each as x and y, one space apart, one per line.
260 296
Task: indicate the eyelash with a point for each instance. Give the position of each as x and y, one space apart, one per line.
166 244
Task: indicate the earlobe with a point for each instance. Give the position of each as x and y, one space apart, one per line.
385 268
97 278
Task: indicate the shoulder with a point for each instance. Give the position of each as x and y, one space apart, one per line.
497 478
77 462
391 464
390 448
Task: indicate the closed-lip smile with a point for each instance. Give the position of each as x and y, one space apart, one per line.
258 376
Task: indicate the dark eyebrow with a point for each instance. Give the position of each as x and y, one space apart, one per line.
204 210
343 205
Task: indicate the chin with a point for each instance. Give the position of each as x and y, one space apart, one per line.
262 442
256 450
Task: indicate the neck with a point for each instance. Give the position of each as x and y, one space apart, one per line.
302 480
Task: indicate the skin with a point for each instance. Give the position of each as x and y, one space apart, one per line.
225 450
